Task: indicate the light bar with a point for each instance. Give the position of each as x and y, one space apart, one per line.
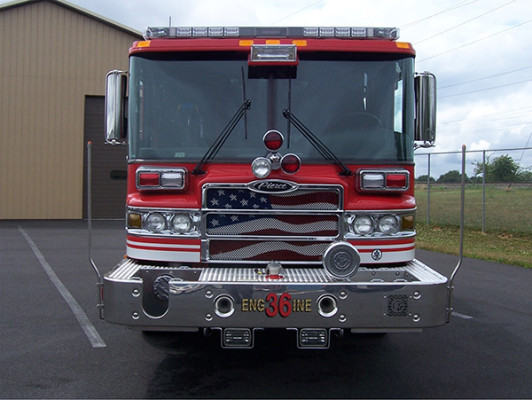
271 32
274 53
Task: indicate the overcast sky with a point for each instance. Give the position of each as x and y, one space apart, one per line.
479 50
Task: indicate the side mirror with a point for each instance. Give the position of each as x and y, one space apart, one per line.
425 90
115 107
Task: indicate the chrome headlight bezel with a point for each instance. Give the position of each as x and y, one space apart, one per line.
388 224
155 222
163 222
380 224
181 223
363 225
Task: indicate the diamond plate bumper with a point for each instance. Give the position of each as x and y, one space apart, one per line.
409 297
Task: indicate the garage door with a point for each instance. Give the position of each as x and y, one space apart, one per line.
109 166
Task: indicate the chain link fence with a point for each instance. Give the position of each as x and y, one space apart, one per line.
498 194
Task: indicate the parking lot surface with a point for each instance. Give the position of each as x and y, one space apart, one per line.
53 344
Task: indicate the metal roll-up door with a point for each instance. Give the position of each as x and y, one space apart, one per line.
109 166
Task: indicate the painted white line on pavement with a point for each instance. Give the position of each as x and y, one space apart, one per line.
463 316
85 323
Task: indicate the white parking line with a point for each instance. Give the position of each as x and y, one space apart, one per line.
459 315
85 323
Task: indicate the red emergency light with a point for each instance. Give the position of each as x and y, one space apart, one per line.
290 163
273 140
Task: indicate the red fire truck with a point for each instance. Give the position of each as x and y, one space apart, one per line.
271 184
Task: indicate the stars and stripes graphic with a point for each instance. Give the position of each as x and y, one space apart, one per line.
267 250
251 215
270 223
245 199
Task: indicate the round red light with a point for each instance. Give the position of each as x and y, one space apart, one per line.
290 163
273 140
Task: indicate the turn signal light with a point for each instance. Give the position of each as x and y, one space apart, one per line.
149 179
165 178
379 180
397 181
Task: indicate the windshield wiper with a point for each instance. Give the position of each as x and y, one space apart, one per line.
316 143
222 137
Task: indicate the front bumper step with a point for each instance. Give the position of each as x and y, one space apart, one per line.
414 271
151 297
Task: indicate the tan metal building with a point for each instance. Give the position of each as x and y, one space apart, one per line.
53 60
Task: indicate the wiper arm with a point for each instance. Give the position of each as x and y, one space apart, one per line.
222 137
316 143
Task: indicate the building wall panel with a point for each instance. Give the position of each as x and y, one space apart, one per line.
52 57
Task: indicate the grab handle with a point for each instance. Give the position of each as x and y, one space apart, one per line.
461 250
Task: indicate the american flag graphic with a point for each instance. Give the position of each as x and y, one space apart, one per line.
267 223
249 250
261 223
244 199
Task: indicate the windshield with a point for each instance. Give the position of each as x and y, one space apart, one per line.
361 109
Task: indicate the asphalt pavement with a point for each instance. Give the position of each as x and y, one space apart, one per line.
53 344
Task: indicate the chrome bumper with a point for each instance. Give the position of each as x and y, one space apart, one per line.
410 297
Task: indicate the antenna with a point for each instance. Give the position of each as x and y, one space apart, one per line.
170 22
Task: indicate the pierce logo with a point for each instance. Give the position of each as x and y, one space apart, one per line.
272 186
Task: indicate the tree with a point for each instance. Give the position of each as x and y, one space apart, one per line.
423 179
450 177
524 176
501 169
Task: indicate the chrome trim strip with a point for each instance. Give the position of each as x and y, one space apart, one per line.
162 209
144 233
277 238
395 236
260 262
269 211
380 211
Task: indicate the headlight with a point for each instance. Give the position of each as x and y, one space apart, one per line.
155 222
261 167
181 223
388 224
363 225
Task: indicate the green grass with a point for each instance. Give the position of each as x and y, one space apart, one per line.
499 247
508 234
507 209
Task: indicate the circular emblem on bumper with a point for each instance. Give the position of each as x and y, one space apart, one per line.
376 254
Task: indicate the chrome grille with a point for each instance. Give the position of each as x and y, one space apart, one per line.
252 250
271 225
242 198
242 224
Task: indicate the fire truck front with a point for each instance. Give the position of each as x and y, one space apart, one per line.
270 183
